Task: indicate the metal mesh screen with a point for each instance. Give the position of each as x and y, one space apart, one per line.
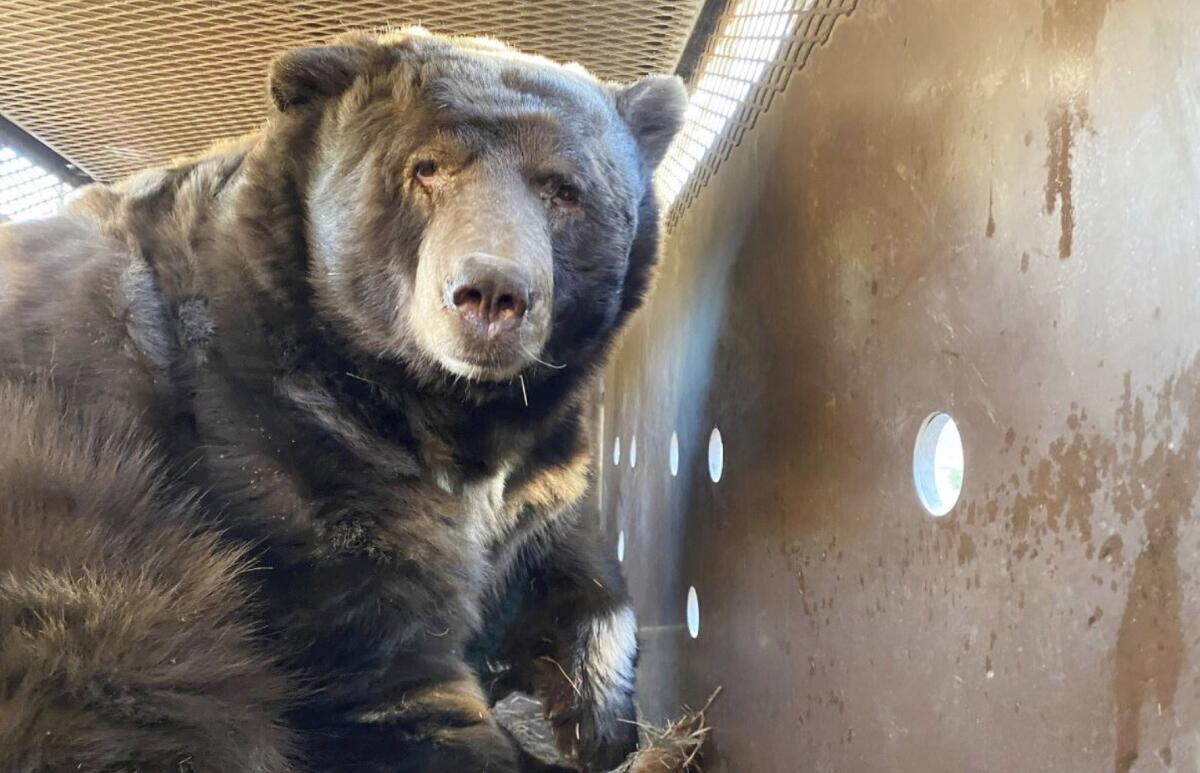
756 46
26 189
117 85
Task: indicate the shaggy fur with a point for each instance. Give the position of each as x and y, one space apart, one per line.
268 503
126 637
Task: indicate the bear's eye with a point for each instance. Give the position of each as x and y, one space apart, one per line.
567 195
425 170
560 193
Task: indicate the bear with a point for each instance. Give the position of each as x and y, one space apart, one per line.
297 430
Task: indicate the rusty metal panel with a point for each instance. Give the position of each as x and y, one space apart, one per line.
987 208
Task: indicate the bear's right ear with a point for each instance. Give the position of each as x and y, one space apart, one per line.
654 108
307 75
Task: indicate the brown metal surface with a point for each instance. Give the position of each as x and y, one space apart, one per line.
990 208
118 85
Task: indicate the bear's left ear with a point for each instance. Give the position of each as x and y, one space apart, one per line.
307 75
653 108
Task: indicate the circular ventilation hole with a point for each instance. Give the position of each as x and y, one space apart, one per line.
674 454
693 613
633 452
621 546
938 464
616 451
716 455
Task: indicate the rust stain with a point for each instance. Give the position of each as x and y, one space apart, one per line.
1131 415
990 231
1060 488
1072 27
1148 467
1059 186
798 560
966 549
1150 648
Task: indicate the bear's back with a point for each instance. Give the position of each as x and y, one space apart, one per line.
73 304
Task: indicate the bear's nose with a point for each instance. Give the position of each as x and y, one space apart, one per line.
490 293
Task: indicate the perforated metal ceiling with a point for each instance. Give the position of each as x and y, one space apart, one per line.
117 85
753 50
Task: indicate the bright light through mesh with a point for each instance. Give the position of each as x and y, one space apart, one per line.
27 191
756 44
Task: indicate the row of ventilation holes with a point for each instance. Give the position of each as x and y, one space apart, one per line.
716 466
937 478
716 454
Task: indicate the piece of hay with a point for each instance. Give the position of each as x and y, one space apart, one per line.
674 748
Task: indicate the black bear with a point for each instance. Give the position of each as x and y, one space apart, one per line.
296 432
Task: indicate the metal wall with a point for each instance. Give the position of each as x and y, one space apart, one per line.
990 208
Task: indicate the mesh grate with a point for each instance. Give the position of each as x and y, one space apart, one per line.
117 85
26 189
756 47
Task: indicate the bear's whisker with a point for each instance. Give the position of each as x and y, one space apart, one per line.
540 361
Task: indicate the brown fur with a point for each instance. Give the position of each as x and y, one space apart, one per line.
161 651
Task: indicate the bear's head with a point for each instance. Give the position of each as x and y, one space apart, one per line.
473 211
